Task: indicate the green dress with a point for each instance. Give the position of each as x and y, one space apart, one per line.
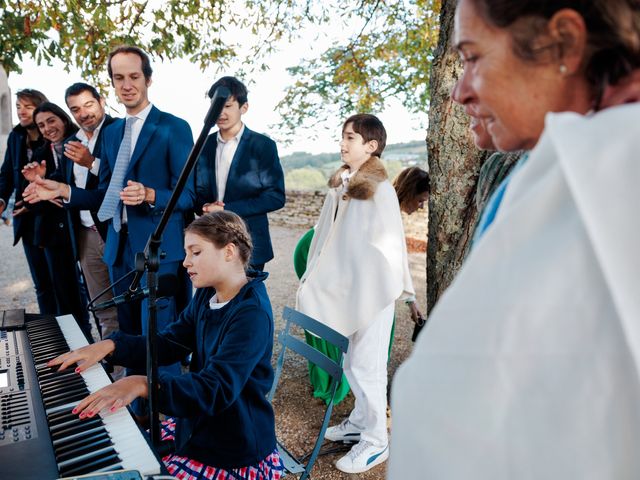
320 380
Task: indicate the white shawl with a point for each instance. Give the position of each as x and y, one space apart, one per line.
357 264
528 367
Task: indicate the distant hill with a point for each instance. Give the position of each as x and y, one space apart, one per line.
306 171
405 152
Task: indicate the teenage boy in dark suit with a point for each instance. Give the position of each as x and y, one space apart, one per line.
239 170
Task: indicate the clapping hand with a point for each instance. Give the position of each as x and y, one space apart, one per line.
78 153
42 189
34 169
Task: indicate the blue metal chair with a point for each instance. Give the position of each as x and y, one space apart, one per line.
292 464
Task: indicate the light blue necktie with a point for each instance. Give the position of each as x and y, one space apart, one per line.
112 205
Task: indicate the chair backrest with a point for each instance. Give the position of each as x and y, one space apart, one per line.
332 367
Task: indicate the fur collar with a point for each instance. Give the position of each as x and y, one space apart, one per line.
364 183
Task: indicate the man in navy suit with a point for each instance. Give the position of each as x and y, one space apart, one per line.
159 144
239 170
142 157
78 170
136 182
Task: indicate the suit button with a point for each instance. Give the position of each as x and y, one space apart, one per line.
61 225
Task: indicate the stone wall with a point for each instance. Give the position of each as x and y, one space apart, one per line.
5 112
303 209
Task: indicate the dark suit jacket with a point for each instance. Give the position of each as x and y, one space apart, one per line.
11 179
93 181
160 153
255 186
53 225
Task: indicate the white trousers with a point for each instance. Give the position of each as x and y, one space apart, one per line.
365 366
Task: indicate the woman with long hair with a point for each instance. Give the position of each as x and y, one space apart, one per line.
53 226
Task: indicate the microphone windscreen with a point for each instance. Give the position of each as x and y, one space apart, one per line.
167 285
220 91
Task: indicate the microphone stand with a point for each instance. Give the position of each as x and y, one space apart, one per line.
149 260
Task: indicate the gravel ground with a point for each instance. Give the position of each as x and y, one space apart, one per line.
298 414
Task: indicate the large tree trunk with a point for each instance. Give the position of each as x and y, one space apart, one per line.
454 163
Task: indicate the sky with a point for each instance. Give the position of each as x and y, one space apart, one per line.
179 87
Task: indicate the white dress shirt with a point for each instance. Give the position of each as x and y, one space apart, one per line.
80 173
224 156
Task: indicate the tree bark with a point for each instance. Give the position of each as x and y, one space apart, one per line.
454 163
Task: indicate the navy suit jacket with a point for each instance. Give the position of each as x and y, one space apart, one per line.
255 186
12 180
157 160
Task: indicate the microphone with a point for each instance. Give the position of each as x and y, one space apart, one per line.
218 98
167 287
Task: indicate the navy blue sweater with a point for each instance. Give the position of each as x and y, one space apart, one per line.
223 416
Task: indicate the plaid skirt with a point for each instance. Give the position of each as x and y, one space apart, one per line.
185 468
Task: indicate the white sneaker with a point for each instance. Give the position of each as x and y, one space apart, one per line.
345 432
362 456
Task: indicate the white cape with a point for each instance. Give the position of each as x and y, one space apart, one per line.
357 264
528 367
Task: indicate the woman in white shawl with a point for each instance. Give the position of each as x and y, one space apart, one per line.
528 367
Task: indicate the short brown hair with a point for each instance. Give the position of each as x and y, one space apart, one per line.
222 228
146 63
34 96
410 183
370 128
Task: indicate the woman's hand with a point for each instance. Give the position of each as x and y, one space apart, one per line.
34 169
19 208
416 316
114 396
85 356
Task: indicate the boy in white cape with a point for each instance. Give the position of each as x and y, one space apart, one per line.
356 269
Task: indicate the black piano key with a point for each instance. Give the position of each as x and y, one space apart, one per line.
55 375
39 344
56 386
79 443
76 436
65 396
92 447
59 424
57 379
53 393
105 460
61 416
77 428
49 351
37 338
64 401
79 460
